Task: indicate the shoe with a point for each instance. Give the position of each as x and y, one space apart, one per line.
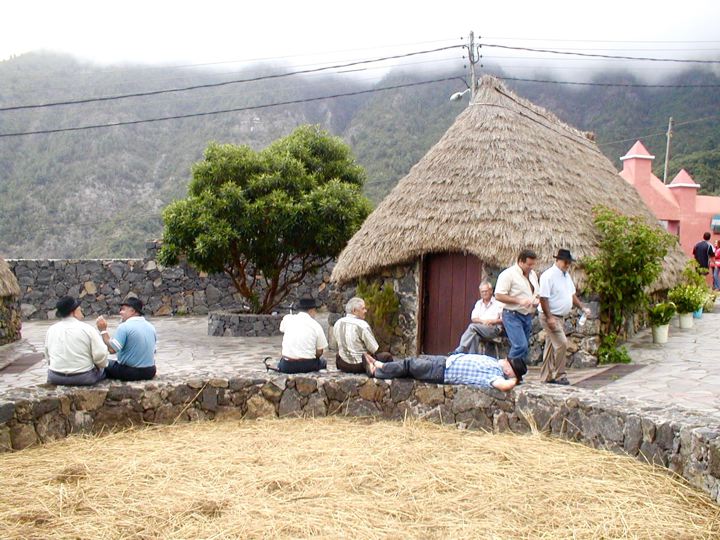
562 380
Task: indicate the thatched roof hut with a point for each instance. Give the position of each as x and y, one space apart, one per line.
506 175
8 282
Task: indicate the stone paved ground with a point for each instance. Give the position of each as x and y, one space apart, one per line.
684 372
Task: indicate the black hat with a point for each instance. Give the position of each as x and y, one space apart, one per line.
564 255
134 303
519 367
306 302
65 306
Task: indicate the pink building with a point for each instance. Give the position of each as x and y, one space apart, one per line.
676 205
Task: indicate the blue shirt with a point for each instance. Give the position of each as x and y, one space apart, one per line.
135 342
475 369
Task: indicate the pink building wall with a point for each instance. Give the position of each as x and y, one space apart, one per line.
677 205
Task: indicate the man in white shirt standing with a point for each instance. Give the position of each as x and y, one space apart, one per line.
355 337
557 297
517 288
75 352
303 340
485 321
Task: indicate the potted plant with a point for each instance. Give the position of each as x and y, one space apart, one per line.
709 305
660 316
687 299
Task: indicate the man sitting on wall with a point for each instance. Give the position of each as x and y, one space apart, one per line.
355 337
303 340
134 343
472 369
74 351
485 321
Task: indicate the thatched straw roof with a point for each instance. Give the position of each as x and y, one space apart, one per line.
506 175
8 282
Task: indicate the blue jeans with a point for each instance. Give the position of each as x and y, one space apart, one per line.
517 328
716 278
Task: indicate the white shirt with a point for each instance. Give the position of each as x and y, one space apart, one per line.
513 282
557 286
303 336
354 337
72 346
491 311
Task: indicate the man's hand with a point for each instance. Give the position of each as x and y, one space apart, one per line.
552 322
101 323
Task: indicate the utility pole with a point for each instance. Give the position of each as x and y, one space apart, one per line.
473 59
667 150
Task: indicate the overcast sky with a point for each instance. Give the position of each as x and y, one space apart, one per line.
180 31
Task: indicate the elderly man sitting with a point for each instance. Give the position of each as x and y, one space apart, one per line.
485 321
75 352
354 337
471 369
303 339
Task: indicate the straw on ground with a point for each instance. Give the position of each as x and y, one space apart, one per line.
338 478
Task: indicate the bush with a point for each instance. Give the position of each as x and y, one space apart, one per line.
661 313
383 308
610 353
687 298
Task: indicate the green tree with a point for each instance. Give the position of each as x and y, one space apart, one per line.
268 218
629 260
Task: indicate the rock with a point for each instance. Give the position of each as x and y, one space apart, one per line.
273 390
209 400
81 422
167 414
259 407
430 394
22 436
291 403
163 311
5 441
89 399
315 406
360 408
120 392
228 413
89 287
401 389
305 385
372 390
6 412
50 427
218 383
467 398
632 435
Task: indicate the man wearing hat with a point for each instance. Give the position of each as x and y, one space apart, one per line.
74 351
557 297
134 342
303 339
472 369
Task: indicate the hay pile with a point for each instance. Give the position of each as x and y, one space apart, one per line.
337 478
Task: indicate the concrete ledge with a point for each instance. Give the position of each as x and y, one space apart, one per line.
685 442
239 324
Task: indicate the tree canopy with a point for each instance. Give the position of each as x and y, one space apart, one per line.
268 218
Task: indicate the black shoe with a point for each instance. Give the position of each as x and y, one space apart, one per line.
562 381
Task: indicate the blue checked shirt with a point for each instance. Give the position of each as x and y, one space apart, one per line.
475 369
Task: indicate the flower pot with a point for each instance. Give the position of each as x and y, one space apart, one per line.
686 320
697 314
660 333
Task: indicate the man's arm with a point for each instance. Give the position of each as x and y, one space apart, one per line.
504 385
549 317
101 324
507 299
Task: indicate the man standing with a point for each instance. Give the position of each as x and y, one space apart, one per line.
485 321
517 288
355 337
472 369
73 349
703 252
303 340
557 297
134 342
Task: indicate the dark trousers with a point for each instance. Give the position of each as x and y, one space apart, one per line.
429 369
347 367
301 366
128 373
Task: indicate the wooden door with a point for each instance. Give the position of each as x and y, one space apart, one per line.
450 290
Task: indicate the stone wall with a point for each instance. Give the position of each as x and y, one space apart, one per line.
229 323
687 443
10 320
102 284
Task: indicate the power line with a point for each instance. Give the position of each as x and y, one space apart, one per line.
603 40
663 133
225 83
223 111
624 85
613 57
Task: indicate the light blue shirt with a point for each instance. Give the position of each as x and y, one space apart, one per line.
135 342
473 369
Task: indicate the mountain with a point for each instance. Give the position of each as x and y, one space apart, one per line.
100 192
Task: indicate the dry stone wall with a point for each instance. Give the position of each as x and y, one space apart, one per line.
102 284
10 322
687 443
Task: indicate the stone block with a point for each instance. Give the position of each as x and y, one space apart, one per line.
119 392
259 407
229 413
430 394
168 414
467 398
360 408
401 389
315 406
7 410
306 385
117 416
209 399
273 390
218 383
633 435
81 422
5 441
89 399
440 414
51 427
291 403
22 436
372 390
182 394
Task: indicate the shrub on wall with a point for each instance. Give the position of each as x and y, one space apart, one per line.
383 308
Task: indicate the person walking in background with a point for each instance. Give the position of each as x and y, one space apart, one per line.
134 342
75 352
557 297
517 288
